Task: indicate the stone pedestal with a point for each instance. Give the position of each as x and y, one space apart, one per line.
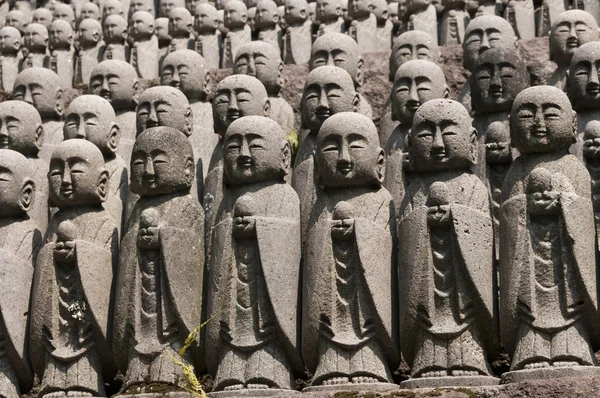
450 381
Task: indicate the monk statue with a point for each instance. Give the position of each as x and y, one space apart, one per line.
40 87
445 240
363 28
115 38
421 15
267 24
298 32
140 5
161 30
591 157
159 286
181 28
521 15
64 12
17 19
239 32
263 61
348 338
10 57
209 40
61 57
117 82
383 33
23 132
455 19
42 16
88 10
166 6
329 16
112 7
20 240
73 283
570 30
548 310
35 41
550 11
144 50
90 50
254 280
590 6
92 118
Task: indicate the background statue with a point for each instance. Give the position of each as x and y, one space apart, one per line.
10 57
209 40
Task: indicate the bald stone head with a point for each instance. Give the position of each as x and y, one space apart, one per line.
348 152
380 9
483 33
499 74
17 19
206 18
583 84
21 128
162 162
17 189
338 49
361 8
61 34
89 10
591 140
10 40
42 16
115 29
90 32
40 87
36 37
138 5
296 11
142 25
261 60
92 118
267 14
416 82
235 14
570 30
186 70
328 90
542 120
113 7
65 12
116 81
442 138
164 106
414 44
180 22
328 10
77 175
192 5
393 11
161 30
497 143
166 6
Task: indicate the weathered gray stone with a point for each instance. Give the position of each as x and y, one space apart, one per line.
64 12
88 10
165 7
454 22
209 41
550 10
329 15
115 35
144 51
591 157
181 28
43 16
590 6
421 15
17 19
61 57
10 57
35 40
298 34
239 33
521 15
363 28
90 50
267 24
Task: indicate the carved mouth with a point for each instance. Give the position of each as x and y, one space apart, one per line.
496 93
572 43
323 114
539 133
4 141
66 192
594 90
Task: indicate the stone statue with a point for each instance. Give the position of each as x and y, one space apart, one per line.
422 16
19 244
35 41
520 14
261 60
328 90
329 15
347 331
42 16
165 7
116 81
112 7
159 287
236 15
454 22
363 28
92 118
23 132
186 71
255 265
591 157
416 82
10 57
548 309
298 33
570 30
589 6
549 12
385 25
65 12
17 19
90 49
161 30
61 59
483 33
144 51
336 49
73 283
181 28
267 24
40 87
140 5
89 10
209 40
445 240
115 38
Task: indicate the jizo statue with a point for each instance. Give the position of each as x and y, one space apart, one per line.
42 16
209 40
35 40
112 7
421 15
65 12
591 158
521 15
549 12
144 51
445 245
89 10
385 24
166 6
115 38
90 49
161 30
73 284
298 34
62 54
589 6
454 22
10 57
266 23
329 16
235 17
363 28
17 19
181 28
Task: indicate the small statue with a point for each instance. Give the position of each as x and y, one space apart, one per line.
570 30
236 15
142 5
422 16
363 28
92 118
255 267
73 283
455 19
17 19
89 10
591 158
40 87
445 240
385 25
161 30
165 7
19 245
90 49
340 50
65 12
62 54
267 24
550 10
43 16
209 40
261 60
159 287
329 16
347 312
35 41
181 28
548 309
520 14
590 6
10 57
144 51
298 33
24 133
115 38
112 7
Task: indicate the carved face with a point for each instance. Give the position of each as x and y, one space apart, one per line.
162 30
114 81
584 77
89 10
489 32
575 28
166 6
36 36
42 16
115 28
149 233
542 196
295 11
113 8
380 9
142 24
156 109
417 5
262 63
89 31
20 127
442 137
266 14
337 50
64 12
497 143
393 12
591 140
184 70
91 118
16 19
542 120
138 5
16 186
359 7
235 14
412 45
312 12
180 21
60 34
328 10
206 19
10 40
39 88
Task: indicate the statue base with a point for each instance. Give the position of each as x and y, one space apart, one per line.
353 387
259 392
450 381
169 394
517 376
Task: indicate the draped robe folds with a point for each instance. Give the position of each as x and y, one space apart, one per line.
395 180
273 36
303 180
9 69
521 16
181 270
232 42
374 278
298 43
213 195
118 51
427 22
364 32
471 261
452 28
548 14
517 279
118 188
62 62
85 61
20 240
278 265
96 248
144 58
209 46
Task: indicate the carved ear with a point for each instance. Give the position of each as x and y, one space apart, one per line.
338 10
27 195
96 36
151 28
244 18
189 121
359 71
385 14
303 13
474 146
286 157
355 102
103 186
114 136
137 91
17 44
447 91
39 136
190 27
60 103
380 165
267 108
216 22
189 171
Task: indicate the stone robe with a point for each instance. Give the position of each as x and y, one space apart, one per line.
232 42
35 60
521 16
126 121
395 180
549 11
118 51
303 179
591 6
273 36
384 36
181 43
452 28
364 32
118 184
209 45
9 69
336 26
426 21
298 43
62 62
85 61
282 113
144 58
